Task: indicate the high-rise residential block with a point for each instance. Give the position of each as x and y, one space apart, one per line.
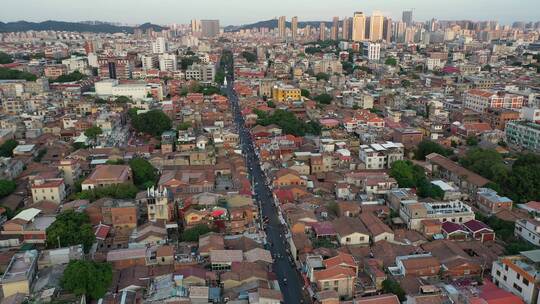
387 29
322 31
376 26
359 27
407 17
195 26
335 29
346 28
209 28
294 27
282 27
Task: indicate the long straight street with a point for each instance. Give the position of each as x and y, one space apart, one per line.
289 279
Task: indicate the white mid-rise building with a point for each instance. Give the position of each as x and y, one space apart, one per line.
381 156
168 62
201 72
519 275
149 62
159 46
529 230
110 87
371 51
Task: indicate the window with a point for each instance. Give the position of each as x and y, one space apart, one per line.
517 287
518 276
498 273
525 281
348 240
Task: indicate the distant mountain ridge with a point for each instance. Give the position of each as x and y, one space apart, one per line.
273 23
51 25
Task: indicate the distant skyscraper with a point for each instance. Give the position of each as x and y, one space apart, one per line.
407 17
387 29
294 27
322 31
335 29
376 26
346 28
282 27
359 27
210 28
195 26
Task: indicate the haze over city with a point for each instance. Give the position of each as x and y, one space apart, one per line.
236 12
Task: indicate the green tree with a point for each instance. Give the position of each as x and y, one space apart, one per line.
88 278
6 73
193 234
71 77
6 149
5 58
119 191
427 147
391 61
71 228
219 77
271 104
122 99
144 174
486 162
288 122
391 286
183 126
333 208
323 98
322 76
93 132
7 187
405 83
471 141
305 93
153 122
249 56
409 175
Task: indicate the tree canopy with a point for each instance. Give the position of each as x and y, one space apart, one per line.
184 126
193 234
7 187
391 61
75 76
249 56
409 175
119 191
153 122
305 93
322 76
391 286
427 147
93 132
288 122
144 174
520 181
122 99
323 98
71 228
88 278
6 73
5 58
6 149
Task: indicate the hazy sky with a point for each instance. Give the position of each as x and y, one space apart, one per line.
245 11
